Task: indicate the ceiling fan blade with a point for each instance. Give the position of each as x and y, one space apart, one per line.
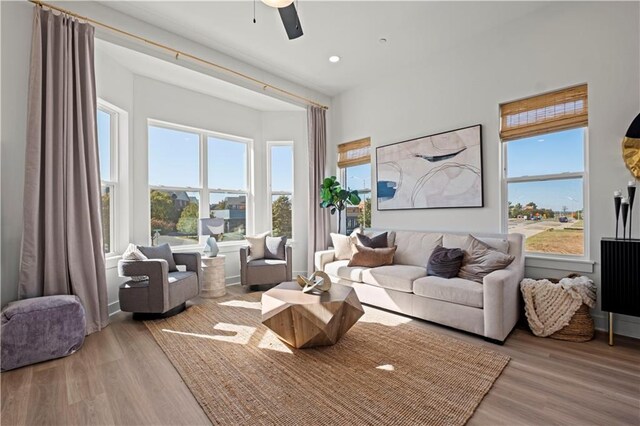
291 21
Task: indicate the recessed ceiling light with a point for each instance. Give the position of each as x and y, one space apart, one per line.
334 59
383 40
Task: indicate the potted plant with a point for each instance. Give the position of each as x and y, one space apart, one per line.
336 198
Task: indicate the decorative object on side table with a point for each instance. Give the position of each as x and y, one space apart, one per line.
213 280
620 278
211 247
317 282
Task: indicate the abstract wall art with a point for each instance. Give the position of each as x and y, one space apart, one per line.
437 171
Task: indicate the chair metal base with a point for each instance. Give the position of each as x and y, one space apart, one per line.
144 316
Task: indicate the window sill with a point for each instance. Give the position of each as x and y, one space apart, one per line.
560 263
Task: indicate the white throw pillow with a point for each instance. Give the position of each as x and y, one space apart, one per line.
343 245
133 253
257 245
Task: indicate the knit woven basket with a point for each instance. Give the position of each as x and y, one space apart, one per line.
580 328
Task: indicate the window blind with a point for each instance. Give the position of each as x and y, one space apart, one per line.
550 112
354 153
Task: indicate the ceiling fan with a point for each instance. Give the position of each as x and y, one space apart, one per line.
289 16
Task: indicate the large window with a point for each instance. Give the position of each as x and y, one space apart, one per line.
107 121
354 160
544 176
281 188
180 182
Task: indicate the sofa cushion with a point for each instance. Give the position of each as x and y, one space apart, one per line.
454 290
257 245
341 269
266 271
394 277
459 241
391 236
414 248
275 247
343 245
445 262
162 252
480 260
378 241
372 257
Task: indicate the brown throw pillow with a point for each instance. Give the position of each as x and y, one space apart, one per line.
480 260
445 262
370 257
378 241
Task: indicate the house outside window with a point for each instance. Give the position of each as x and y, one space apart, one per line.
354 162
544 176
180 179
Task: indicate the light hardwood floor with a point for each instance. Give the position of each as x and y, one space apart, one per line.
121 376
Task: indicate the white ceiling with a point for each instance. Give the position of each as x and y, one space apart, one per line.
177 75
416 31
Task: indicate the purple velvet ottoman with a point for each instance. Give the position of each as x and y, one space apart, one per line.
41 328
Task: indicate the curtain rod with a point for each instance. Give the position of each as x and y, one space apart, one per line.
179 53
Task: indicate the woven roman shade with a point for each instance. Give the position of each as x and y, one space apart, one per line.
354 153
550 112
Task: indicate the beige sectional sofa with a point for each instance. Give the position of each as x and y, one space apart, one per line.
489 309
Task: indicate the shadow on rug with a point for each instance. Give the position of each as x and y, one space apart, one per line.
384 371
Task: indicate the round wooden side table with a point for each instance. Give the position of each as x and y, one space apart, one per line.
213 282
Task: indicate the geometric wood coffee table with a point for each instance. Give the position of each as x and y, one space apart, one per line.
304 320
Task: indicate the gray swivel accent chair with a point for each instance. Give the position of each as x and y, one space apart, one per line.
264 271
162 293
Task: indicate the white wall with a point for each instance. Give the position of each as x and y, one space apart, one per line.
559 45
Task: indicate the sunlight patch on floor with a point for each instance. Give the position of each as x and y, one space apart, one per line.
376 316
242 304
242 335
270 341
386 367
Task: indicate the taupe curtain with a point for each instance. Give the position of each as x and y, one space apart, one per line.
318 217
62 249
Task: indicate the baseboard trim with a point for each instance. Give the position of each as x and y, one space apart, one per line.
113 308
622 324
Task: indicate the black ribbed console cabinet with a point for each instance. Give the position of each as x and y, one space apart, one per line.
620 289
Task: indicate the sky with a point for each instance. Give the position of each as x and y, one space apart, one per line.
104 136
560 152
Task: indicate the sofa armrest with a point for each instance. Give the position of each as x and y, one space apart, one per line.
322 258
244 254
501 300
192 262
158 272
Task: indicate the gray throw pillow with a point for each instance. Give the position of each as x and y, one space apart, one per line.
445 262
378 241
160 252
480 260
274 248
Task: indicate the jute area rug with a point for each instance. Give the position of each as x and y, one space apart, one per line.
384 371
